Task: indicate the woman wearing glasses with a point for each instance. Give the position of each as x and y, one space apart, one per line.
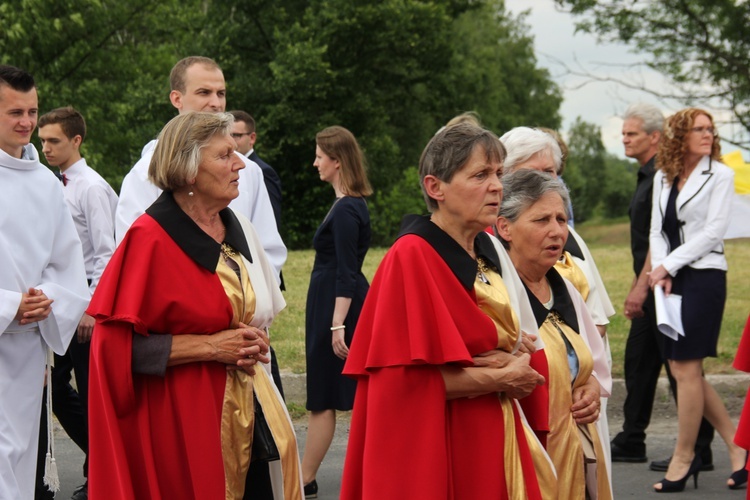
689 218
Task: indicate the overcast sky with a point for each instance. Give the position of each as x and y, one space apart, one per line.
557 44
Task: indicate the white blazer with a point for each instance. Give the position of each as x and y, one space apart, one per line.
703 207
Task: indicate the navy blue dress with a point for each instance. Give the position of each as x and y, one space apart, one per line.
704 293
340 243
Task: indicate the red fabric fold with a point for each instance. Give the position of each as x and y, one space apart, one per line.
742 362
406 441
536 405
150 434
417 312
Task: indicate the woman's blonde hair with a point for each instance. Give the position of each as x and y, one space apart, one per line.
471 117
673 145
178 152
339 144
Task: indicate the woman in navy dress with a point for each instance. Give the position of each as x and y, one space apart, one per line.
690 215
337 291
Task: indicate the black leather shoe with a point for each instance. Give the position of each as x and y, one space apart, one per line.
81 493
622 455
663 465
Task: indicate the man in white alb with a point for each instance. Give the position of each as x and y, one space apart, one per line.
198 85
43 290
92 204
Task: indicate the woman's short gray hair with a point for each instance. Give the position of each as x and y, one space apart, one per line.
524 187
450 149
178 152
522 143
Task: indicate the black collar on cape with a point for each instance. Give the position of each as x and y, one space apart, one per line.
192 239
571 246
460 262
563 303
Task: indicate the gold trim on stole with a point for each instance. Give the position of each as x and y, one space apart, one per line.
238 411
564 442
494 301
237 421
572 272
545 471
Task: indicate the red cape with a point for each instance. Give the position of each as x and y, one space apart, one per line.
150 434
406 440
742 362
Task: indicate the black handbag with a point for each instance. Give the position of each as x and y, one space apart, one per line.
264 446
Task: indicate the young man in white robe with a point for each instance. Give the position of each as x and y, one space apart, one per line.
43 290
198 84
92 203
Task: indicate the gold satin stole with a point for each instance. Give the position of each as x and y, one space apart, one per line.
564 442
238 412
494 301
569 270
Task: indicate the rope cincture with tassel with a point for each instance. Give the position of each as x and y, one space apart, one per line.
51 478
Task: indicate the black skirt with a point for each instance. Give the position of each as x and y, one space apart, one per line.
704 293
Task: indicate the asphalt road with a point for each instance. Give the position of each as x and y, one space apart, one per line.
630 481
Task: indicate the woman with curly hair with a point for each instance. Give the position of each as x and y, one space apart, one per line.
689 218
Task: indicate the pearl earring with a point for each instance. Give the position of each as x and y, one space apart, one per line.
190 193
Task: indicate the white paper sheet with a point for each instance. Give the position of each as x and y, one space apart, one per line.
668 313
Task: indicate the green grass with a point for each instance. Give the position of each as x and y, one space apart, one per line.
610 244
288 330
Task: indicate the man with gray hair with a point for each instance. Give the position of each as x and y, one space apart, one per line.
641 132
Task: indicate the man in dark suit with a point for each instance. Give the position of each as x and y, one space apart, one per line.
641 131
244 133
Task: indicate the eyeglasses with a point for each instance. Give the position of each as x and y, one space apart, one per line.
703 130
238 136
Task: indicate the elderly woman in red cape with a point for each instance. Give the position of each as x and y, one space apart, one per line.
179 408
434 415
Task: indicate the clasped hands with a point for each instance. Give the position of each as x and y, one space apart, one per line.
35 306
514 373
587 402
240 348
521 379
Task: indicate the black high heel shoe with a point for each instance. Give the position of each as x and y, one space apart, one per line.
311 489
739 477
668 486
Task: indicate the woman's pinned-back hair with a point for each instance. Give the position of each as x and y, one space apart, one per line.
178 152
526 186
340 144
471 117
450 149
673 144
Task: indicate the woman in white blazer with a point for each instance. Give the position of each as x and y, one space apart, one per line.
690 214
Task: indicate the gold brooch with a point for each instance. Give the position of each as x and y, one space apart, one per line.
227 250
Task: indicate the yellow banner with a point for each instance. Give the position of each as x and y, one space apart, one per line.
741 171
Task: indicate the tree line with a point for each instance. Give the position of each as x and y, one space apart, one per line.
391 71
